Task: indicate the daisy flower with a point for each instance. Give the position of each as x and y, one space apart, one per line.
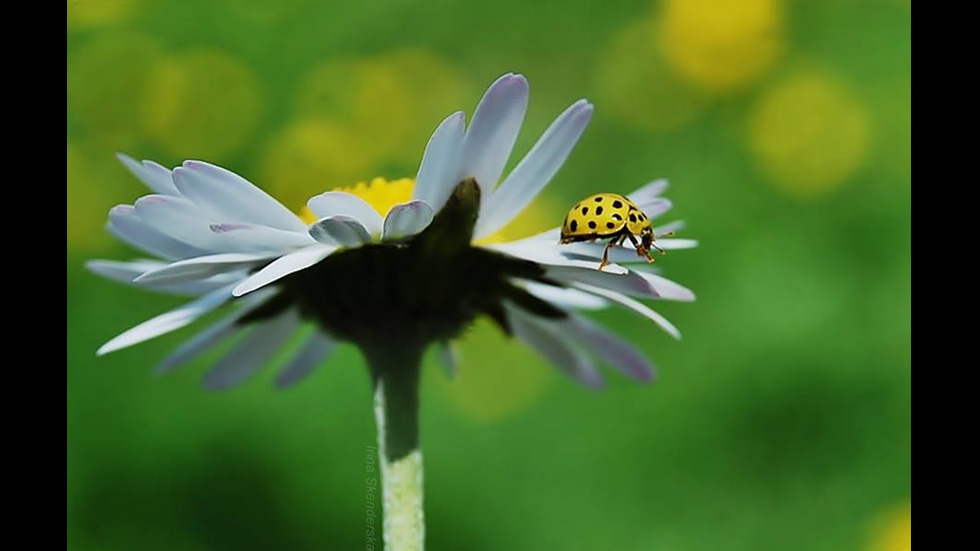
391 267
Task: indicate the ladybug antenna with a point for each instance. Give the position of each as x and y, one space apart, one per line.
653 243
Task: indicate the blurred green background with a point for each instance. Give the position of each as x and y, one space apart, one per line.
781 421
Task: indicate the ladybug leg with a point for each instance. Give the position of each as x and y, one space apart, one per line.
605 253
640 249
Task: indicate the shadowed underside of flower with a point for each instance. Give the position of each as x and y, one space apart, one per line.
426 288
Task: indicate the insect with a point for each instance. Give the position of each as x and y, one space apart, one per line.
614 216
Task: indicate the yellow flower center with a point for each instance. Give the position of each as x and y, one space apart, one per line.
384 194
380 193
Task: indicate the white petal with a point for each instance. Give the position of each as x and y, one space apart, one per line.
649 192
667 289
169 321
196 288
547 338
407 219
282 267
180 219
493 131
629 283
675 226
439 172
202 267
333 203
550 253
233 197
156 177
126 224
536 169
340 230
552 235
618 254
252 352
656 207
313 351
126 272
621 254
261 238
563 296
676 244
211 336
613 350
632 304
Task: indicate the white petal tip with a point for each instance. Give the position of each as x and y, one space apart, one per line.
193 164
121 209
96 266
150 276
108 347
242 290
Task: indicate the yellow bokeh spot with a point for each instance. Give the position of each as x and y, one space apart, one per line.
307 158
638 88
107 80
893 530
809 134
388 105
721 45
497 377
202 104
85 14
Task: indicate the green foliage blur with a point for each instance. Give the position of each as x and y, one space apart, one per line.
781 421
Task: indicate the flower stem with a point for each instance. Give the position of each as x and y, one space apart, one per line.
396 375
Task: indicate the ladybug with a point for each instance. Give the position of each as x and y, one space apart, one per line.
613 216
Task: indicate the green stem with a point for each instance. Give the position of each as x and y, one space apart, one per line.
396 376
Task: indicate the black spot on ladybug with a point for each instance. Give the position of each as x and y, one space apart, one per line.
610 225
592 224
617 217
618 204
574 225
598 199
598 210
585 210
643 216
632 218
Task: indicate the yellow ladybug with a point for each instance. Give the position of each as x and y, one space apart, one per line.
614 216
